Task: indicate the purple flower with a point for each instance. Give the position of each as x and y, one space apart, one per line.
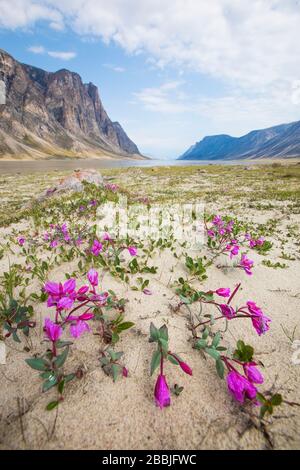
240 387
53 244
46 236
217 220
61 295
21 240
227 311
147 292
246 264
185 367
52 330
259 320
223 292
132 250
234 251
79 328
210 233
96 248
252 373
93 277
93 202
162 392
125 372
106 237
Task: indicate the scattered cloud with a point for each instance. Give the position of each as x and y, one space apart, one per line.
115 68
251 44
55 54
62 55
164 99
37 49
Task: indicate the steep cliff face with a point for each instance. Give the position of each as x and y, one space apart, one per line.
281 141
55 114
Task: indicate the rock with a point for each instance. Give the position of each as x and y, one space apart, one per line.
55 113
72 183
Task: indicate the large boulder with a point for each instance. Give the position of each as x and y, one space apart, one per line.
72 183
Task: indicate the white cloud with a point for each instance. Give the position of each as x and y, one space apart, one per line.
115 68
249 43
62 55
164 99
55 54
37 49
24 13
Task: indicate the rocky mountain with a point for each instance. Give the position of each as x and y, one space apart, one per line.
48 115
281 141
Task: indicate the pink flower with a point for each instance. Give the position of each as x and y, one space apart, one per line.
93 277
61 295
234 251
246 264
46 236
53 244
210 233
185 367
21 240
147 292
252 373
106 237
96 248
240 387
162 392
217 220
52 330
79 328
125 372
227 311
259 320
223 292
132 250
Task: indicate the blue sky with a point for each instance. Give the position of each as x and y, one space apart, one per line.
170 72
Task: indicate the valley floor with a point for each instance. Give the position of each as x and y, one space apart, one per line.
99 414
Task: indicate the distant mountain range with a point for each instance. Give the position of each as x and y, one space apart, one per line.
281 141
50 115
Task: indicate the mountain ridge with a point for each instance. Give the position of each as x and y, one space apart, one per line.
280 141
55 114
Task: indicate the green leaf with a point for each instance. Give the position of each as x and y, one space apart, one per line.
49 383
69 377
220 368
173 360
216 339
115 337
61 386
205 333
125 326
164 344
276 399
154 334
163 333
261 398
37 363
52 405
200 344
60 360
115 368
155 361
213 353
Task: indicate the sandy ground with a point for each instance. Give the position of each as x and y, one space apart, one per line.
98 414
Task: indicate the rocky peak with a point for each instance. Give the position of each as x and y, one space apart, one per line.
54 112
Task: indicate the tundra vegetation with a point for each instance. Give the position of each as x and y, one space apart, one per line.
76 307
